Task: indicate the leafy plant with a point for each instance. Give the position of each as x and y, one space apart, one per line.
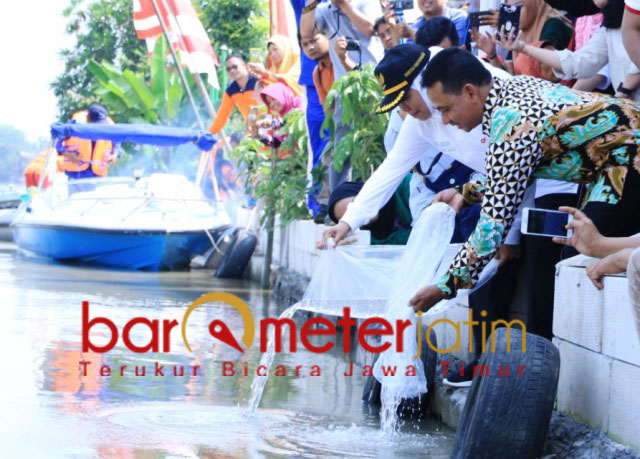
284 188
104 32
128 92
359 95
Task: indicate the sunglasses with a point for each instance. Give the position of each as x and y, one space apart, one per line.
232 67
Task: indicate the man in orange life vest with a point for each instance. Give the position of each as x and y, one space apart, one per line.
88 158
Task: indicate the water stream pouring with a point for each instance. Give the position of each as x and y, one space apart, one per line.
378 281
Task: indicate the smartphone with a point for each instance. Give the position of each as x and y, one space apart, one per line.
401 5
509 17
542 222
474 18
255 57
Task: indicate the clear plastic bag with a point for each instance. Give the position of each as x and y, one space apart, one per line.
356 276
378 281
421 264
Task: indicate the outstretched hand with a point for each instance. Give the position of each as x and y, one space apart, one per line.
426 298
511 41
484 42
586 238
337 233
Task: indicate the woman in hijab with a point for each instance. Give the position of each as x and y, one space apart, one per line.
604 47
283 65
542 27
280 100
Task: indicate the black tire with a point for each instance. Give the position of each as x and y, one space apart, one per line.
508 416
224 244
236 260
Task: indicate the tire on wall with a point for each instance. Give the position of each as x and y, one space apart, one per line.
509 415
224 244
237 258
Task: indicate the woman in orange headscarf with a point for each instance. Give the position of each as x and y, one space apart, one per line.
283 65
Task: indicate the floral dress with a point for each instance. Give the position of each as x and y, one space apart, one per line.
538 129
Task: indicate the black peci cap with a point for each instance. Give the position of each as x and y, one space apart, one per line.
396 72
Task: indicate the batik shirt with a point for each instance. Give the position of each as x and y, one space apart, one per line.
543 130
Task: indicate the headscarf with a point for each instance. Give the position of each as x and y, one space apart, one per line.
382 226
288 70
537 13
284 95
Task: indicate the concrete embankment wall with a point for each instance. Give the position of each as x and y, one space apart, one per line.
594 330
599 350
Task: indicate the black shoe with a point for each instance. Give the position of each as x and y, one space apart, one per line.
454 379
321 216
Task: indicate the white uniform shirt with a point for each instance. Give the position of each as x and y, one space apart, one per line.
421 140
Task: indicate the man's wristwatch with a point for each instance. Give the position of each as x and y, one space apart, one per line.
621 89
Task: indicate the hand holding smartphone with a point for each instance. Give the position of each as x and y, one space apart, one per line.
509 18
542 222
255 56
480 18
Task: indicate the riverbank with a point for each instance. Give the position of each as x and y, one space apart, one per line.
294 261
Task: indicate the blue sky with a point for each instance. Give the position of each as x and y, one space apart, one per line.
32 34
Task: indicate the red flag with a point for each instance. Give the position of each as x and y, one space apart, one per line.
185 31
282 20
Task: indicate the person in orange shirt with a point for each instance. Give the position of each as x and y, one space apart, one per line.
284 65
317 48
238 94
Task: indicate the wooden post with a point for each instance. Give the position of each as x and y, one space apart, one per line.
271 222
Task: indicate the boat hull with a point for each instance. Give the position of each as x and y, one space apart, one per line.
124 249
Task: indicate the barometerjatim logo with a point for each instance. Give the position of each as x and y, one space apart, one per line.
217 328
160 332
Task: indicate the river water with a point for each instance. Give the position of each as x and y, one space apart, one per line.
52 405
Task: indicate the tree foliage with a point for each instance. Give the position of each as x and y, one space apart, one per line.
359 94
129 94
236 24
284 188
104 32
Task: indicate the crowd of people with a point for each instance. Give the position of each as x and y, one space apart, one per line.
485 116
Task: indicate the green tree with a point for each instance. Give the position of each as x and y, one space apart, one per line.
236 24
285 186
359 94
104 32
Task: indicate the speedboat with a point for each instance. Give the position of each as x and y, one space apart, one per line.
151 223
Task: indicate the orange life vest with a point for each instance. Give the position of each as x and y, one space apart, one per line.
79 155
34 169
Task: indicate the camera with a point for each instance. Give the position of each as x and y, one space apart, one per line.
352 45
400 5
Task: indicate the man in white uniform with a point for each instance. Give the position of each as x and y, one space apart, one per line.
421 137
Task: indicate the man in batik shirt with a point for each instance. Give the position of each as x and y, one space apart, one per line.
536 129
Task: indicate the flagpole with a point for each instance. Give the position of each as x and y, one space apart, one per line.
183 79
216 193
200 85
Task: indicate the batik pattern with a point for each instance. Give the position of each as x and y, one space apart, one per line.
543 130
